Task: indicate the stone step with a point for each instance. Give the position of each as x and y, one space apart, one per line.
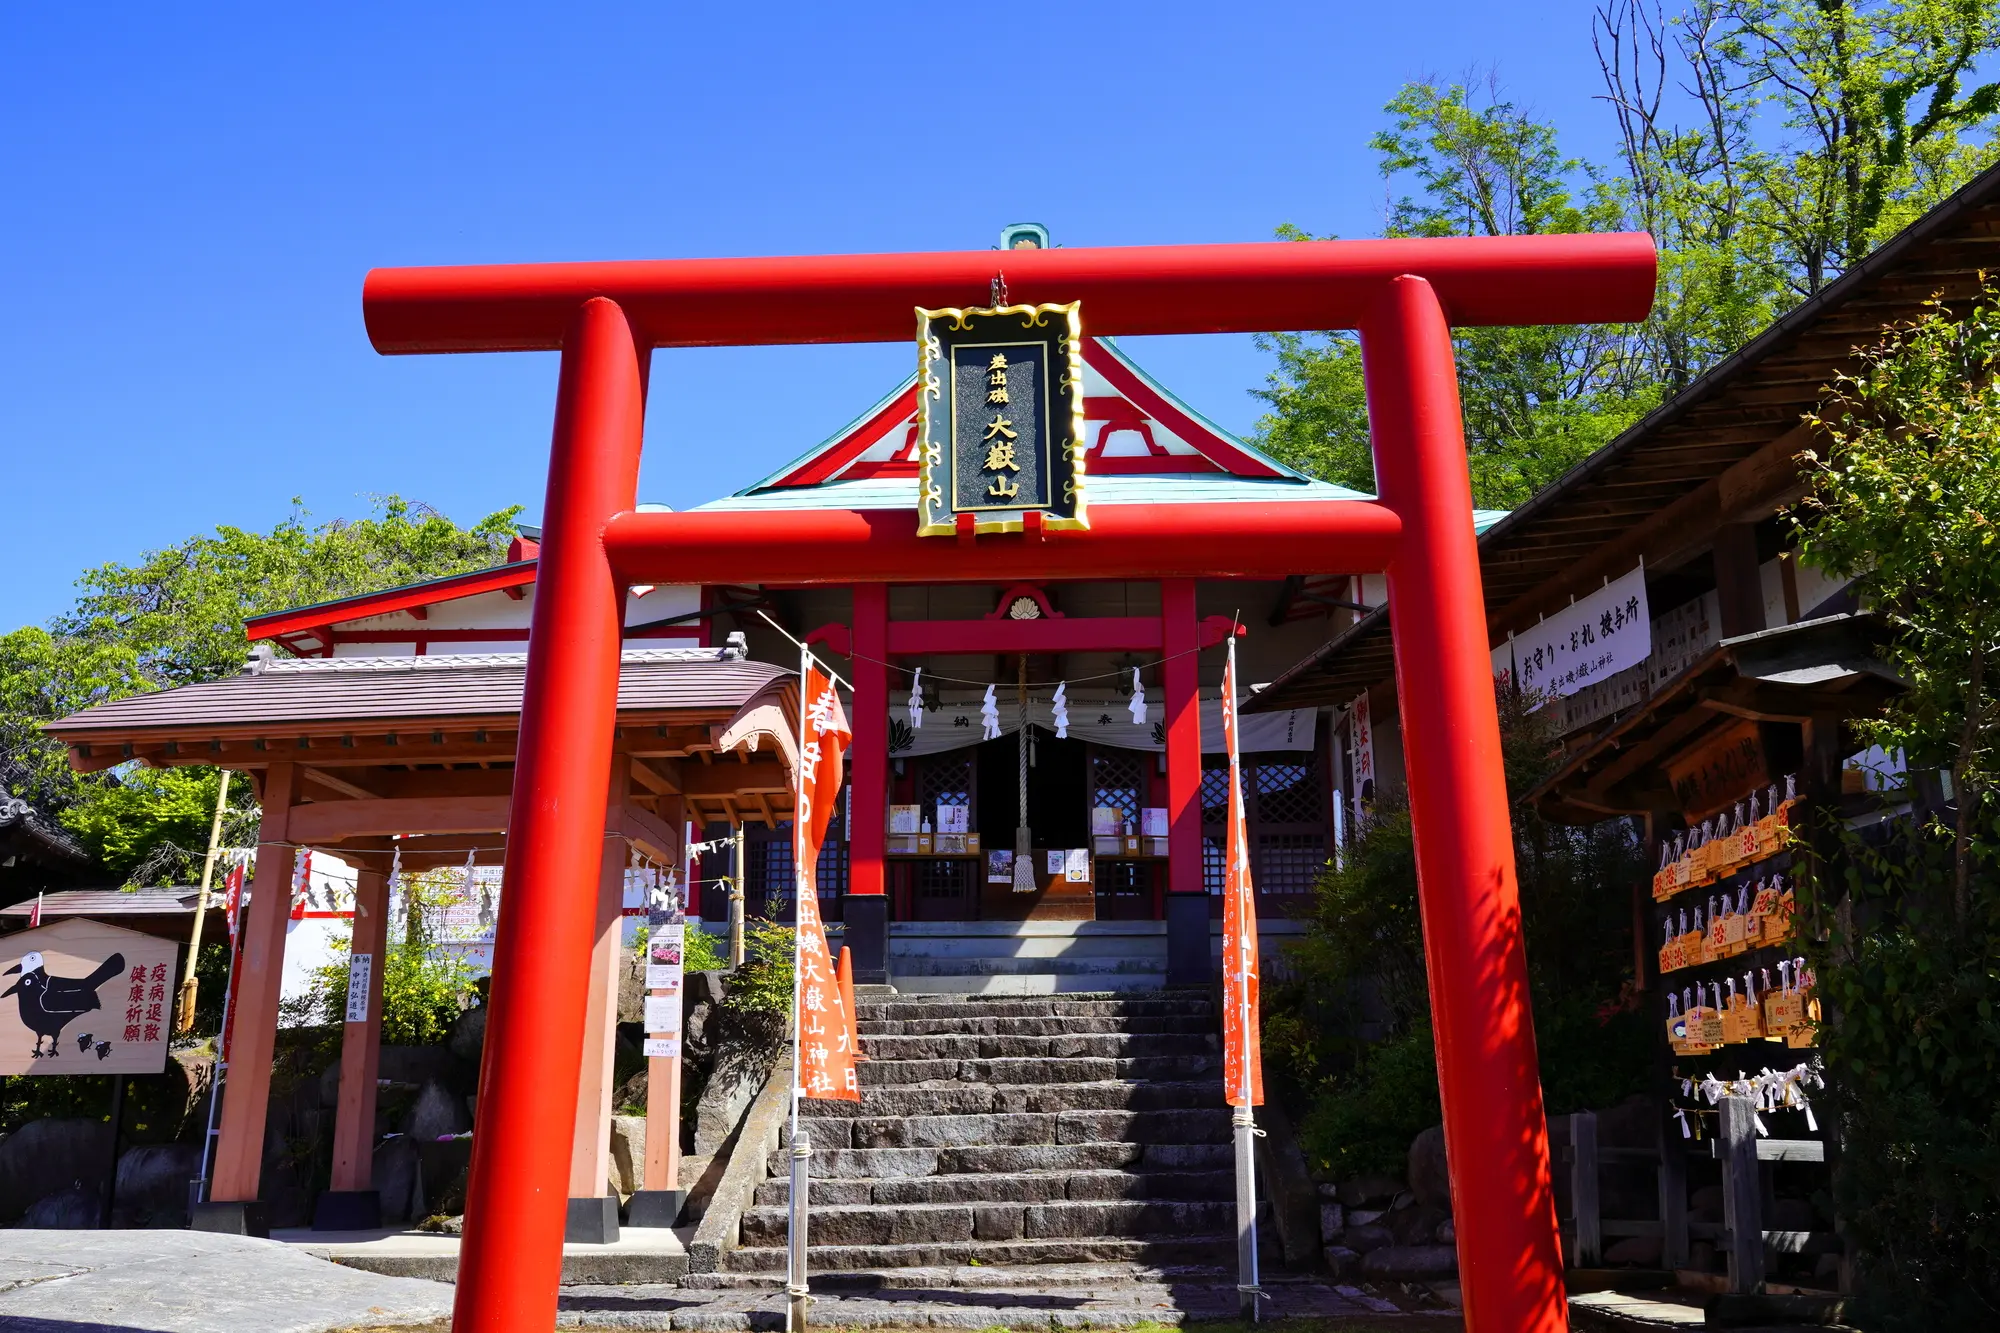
975 1277
883 1070
1183 1125
953 1098
835 1260
1020 1187
1065 965
909 1163
1028 1029
1056 1046
987 982
1168 1004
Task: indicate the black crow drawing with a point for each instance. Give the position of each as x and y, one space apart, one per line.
50 1003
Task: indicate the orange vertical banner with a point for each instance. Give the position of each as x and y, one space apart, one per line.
825 1064
1243 1061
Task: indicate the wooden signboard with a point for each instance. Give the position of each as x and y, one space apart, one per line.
81 997
1719 770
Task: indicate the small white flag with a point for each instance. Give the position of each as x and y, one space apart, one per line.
1138 704
1059 710
989 717
917 700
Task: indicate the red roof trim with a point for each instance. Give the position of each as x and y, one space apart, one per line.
826 464
310 619
1163 410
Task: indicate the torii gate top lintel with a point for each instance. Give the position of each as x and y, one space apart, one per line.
1257 287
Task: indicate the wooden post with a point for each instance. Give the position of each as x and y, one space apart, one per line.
593 1215
350 1203
1583 1190
239 1155
1739 583
1742 1206
660 1196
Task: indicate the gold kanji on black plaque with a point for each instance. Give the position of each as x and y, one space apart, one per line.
1000 417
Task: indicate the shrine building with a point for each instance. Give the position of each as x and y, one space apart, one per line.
939 780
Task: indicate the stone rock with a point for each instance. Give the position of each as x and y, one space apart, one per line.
45 1157
153 1183
1332 1221
1369 1191
1430 1175
1447 1232
414 1065
741 1069
1344 1263
706 987
1365 1217
197 1071
1415 1225
1367 1238
468 1036
628 1153
1329 1192
435 1114
1403 1200
631 988
1789 1215
396 1174
74 1209
1410 1263
1634 1252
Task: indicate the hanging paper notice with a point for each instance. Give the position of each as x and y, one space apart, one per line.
1362 735
663 1015
662 1048
1591 638
360 972
1056 860
999 867
1076 865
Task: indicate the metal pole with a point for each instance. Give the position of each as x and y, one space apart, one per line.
221 1066
1509 1261
1245 1122
736 868
796 1288
184 1020
111 1176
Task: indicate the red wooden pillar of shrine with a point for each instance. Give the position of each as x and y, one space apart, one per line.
865 912
1180 674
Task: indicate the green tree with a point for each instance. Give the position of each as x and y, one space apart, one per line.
1905 501
175 618
1767 146
1536 400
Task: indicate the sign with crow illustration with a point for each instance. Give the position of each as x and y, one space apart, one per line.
82 997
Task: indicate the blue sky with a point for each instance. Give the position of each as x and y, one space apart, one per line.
193 194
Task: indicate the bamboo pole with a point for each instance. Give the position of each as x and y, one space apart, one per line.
184 1020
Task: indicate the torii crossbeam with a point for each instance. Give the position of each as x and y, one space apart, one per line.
1403 296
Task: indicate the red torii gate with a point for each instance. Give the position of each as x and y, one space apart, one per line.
1402 295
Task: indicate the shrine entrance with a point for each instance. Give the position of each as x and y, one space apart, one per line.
1403 296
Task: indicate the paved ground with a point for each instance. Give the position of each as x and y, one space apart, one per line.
192 1282
640 1254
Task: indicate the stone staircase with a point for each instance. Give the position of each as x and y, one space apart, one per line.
1011 1131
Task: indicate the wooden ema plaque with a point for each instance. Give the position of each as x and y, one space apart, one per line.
81 997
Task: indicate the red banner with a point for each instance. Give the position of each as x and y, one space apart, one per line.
825 1063
232 900
1243 1061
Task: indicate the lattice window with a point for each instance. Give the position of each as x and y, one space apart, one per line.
1215 793
950 880
1286 793
1118 780
944 779
1289 863
1213 862
768 868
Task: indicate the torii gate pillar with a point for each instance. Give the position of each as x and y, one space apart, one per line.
1403 296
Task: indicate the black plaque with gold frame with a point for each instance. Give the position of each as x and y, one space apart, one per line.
1000 418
